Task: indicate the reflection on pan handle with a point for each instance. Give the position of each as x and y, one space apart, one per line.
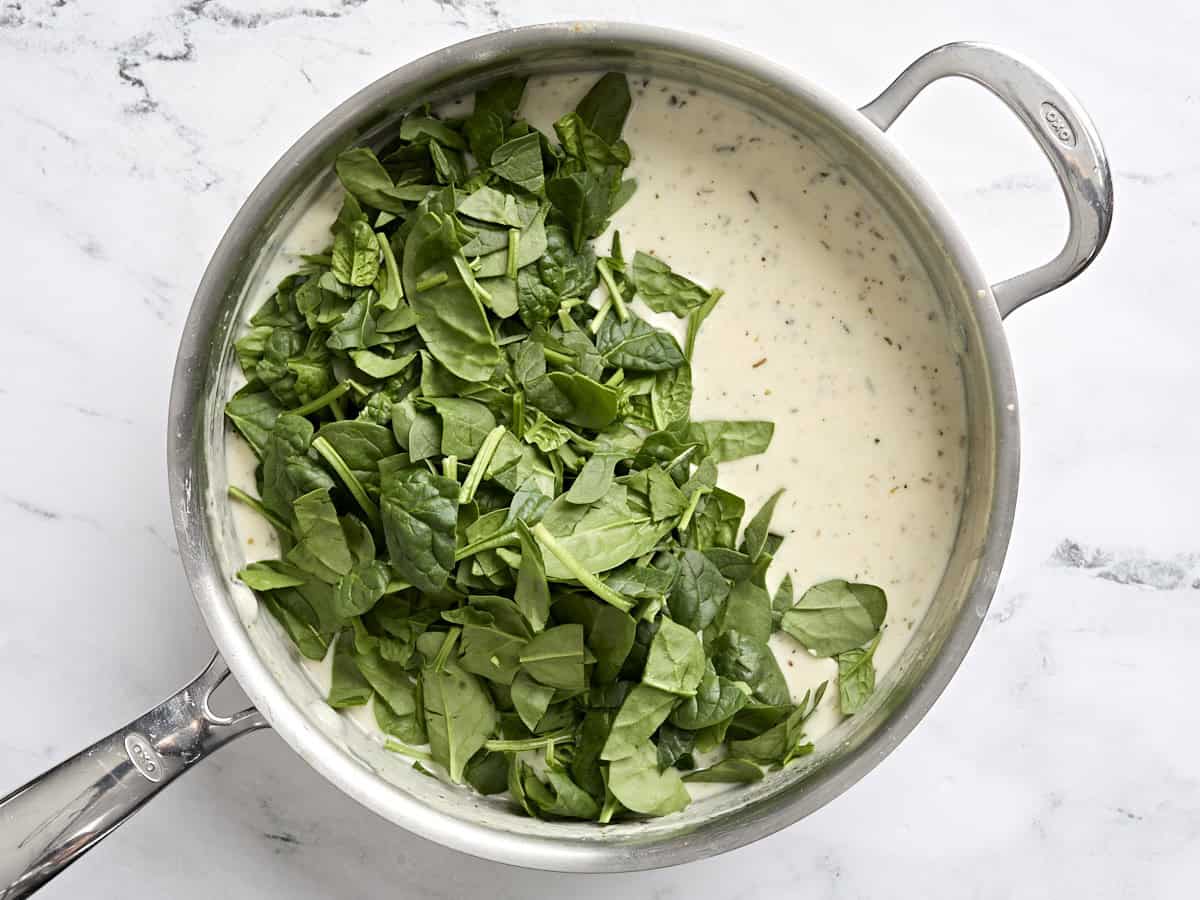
1060 126
60 815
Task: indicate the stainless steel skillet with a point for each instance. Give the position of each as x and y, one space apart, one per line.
54 819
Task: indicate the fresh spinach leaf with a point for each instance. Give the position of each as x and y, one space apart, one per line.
637 345
321 547
347 686
727 441
616 528
740 657
728 771
643 711
356 255
360 588
606 106
594 480
519 162
836 616
676 660
556 658
671 396
699 592
459 716
561 797
450 317
748 611
635 780
717 699
663 290
856 678
487 772
420 512
531 698
532 593
755 539
271 575
465 425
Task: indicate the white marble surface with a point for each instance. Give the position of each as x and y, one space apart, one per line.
1062 759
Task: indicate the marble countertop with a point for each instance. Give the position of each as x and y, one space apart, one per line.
1061 760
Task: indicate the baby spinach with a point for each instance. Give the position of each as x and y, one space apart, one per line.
420 512
321 547
728 771
347 685
601 536
856 677
636 781
459 716
594 480
606 106
271 575
836 616
637 345
531 699
698 593
740 657
663 290
450 317
532 593
465 425
500 525
785 741
754 541
748 612
519 162
559 796
727 441
360 588
556 658
643 711
717 699
676 660
355 255
671 396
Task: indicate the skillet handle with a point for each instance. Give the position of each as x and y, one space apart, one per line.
1062 129
60 815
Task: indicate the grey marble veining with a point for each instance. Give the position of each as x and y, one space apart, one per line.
1061 760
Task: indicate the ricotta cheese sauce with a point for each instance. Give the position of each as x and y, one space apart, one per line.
828 327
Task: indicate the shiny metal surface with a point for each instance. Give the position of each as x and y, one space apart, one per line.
259 656
56 818
1060 126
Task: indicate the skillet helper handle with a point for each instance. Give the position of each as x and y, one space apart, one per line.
60 815
1060 126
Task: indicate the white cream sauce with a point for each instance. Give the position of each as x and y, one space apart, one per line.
829 328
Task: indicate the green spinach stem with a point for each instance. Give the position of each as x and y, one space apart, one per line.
514 244
346 474
432 281
614 292
479 466
324 400
518 413
588 579
443 654
533 743
559 359
601 314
